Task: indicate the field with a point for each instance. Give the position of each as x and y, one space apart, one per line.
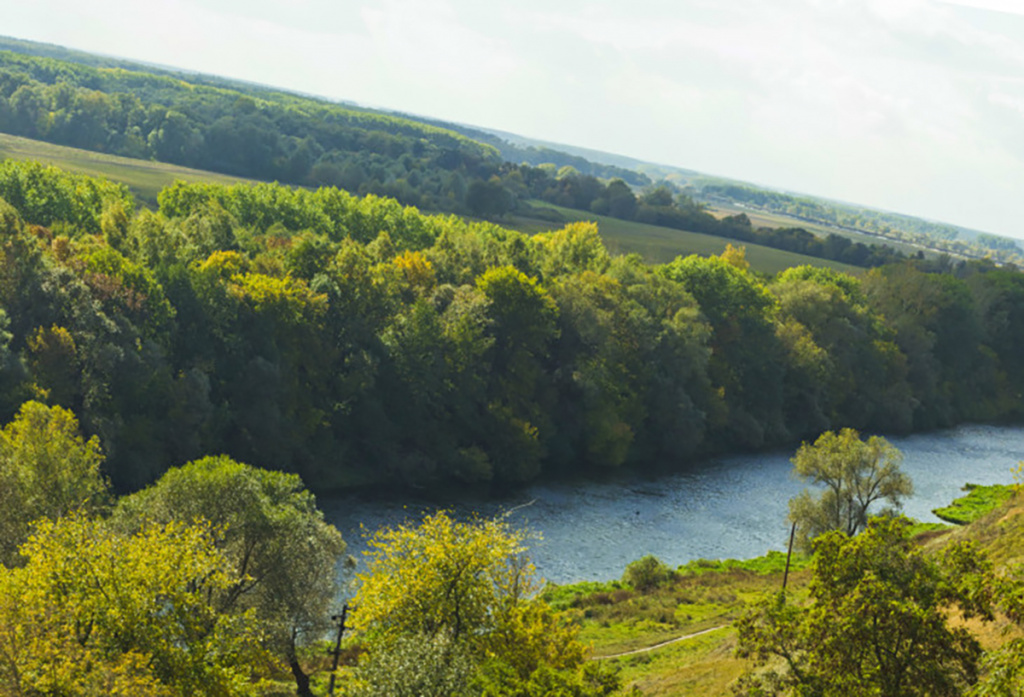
660 244
656 244
144 177
768 219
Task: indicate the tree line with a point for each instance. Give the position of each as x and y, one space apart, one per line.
273 136
355 341
948 238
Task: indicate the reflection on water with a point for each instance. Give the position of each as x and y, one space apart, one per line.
733 507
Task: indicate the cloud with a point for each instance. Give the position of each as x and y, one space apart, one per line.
1006 6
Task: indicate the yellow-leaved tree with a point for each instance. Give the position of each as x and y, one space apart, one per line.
95 612
47 470
458 601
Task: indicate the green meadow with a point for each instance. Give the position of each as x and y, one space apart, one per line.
144 177
658 245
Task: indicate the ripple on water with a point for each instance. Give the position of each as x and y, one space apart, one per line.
734 507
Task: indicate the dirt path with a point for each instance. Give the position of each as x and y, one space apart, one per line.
658 646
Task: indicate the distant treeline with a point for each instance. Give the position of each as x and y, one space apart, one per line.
905 228
355 341
269 135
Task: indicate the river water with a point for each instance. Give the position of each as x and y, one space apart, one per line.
730 507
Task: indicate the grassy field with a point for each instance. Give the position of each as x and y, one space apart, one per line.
144 177
769 219
979 502
705 595
660 244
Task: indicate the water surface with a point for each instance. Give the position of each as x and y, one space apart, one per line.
730 507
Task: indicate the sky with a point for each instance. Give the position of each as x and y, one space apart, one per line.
914 106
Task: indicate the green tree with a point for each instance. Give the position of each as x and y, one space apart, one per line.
469 583
855 474
877 624
282 554
47 470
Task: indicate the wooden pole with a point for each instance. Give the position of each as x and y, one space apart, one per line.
785 576
340 619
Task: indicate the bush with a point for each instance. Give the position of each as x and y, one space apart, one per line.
647 573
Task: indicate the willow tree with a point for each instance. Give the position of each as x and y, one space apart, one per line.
856 474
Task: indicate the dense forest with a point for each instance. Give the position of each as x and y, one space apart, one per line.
273 136
355 341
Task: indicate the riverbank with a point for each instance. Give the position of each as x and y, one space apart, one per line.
620 622
727 508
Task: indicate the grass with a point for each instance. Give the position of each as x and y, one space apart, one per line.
979 502
771 563
615 618
660 245
145 178
769 219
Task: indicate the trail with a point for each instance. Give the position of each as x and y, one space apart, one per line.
658 646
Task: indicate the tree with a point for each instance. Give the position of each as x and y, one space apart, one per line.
283 555
877 623
467 587
47 470
855 474
94 612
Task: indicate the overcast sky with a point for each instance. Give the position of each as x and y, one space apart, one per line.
915 106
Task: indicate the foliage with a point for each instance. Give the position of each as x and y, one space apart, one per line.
979 501
646 573
282 554
415 666
469 586
49 196
237 129
1004 666
855 473
877 623
96 612
47 470
356 341
773 562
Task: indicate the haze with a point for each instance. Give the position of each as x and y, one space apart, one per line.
913 106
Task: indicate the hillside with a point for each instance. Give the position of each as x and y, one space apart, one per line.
699 607
359 342
145 178
660 245
256 132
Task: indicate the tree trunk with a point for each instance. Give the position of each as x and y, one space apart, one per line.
301 679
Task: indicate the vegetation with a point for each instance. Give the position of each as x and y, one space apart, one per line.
877 622
267 528
979 502
446 605
354 341
855 473
245 131
47 470
660 245
144 178
95 612
880 224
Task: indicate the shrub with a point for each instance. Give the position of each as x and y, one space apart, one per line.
647 573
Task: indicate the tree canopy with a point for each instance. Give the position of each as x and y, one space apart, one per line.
855 474
283 557
877 623
465 592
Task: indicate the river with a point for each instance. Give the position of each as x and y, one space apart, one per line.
730 507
